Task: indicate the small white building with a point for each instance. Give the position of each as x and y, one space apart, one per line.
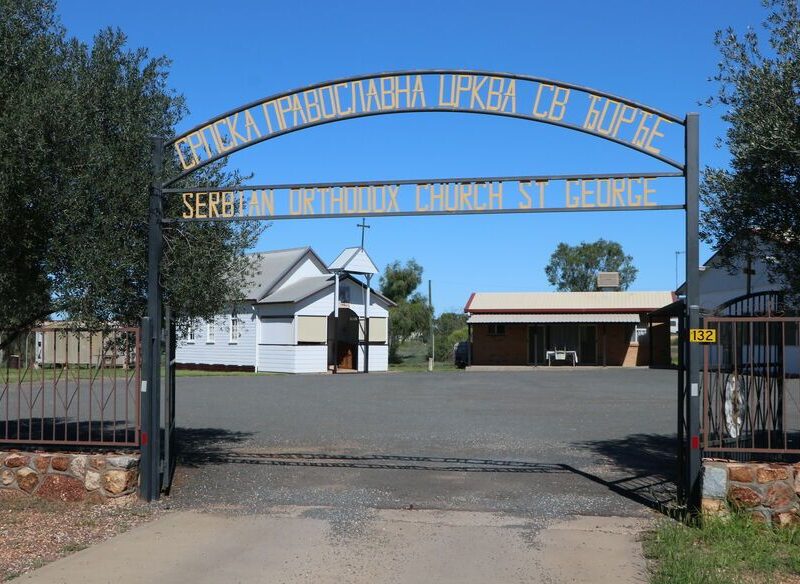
719 286
288 321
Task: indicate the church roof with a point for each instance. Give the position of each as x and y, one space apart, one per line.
271 267
309 286
299 290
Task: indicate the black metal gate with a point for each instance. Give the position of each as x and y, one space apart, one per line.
751 386
67 386
168 441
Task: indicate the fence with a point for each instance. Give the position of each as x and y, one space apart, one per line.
751 386
72 387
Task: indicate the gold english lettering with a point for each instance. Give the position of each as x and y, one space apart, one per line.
523 190
542 184
571 200
419 206
495 195
227 204
393 192
189 212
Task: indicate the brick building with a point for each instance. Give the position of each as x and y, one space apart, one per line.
590 328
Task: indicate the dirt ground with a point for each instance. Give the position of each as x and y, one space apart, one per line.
34 532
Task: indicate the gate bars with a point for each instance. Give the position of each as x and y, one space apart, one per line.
73 387
751 386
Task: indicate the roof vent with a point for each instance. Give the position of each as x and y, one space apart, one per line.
607 281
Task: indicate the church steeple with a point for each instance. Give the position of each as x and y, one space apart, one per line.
354 260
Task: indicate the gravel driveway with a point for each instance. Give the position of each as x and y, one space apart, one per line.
538 444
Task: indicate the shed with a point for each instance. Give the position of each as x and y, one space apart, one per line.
576 328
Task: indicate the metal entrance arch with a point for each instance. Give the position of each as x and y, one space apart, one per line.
610 117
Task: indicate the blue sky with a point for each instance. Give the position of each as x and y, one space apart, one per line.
657 53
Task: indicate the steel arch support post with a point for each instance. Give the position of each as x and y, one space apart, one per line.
150 466
693 452
144 412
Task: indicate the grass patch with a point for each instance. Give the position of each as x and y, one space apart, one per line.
72 373
84 373
724 551
413 356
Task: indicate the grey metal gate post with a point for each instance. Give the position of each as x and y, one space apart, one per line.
150 478
168 401
144 411
692 171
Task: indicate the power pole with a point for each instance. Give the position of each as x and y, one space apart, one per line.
432 341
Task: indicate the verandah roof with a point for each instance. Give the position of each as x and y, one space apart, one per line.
551 318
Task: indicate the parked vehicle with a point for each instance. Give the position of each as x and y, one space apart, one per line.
461 354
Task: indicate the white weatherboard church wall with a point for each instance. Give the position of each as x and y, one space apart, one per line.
286 325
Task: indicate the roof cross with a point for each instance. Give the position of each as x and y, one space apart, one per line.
363 226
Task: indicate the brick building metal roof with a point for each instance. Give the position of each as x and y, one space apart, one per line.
551 318
566 302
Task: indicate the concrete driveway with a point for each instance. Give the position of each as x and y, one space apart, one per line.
537 476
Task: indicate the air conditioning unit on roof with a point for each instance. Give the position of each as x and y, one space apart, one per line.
608 281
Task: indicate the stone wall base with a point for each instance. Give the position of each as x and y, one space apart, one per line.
769 493
65 476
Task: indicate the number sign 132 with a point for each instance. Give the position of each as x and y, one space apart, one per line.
703 335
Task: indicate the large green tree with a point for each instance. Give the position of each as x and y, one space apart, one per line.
450 328
399 281
574 268
754 205
77 122
411 315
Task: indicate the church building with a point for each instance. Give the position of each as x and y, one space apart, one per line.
299 315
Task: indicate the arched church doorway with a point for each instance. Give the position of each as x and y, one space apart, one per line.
343 340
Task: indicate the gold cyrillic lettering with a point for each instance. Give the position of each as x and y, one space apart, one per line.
251 126
653 133
494 94
313 113
474 96
388 93
179 152
453 97
236 137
